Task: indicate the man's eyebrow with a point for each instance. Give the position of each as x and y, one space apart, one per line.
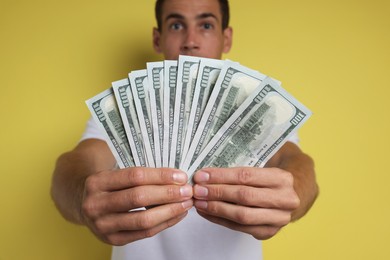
198 17
206 15
174 16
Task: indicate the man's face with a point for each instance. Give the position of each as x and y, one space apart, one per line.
192 27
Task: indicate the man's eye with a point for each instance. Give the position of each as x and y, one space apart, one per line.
207 26
176 26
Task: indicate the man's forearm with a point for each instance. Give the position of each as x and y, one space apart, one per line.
67 186
301 166
72 169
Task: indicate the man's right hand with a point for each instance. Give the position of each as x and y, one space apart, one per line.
109 196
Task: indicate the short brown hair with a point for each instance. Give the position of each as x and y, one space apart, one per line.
223 4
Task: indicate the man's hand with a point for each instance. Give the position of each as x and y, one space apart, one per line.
110 195
257 201
86 190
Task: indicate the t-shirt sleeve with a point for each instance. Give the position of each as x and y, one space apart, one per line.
92 131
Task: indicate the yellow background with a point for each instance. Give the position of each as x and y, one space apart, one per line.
332 55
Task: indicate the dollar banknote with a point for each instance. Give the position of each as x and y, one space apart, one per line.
208 73
140 89
156 95
256 130
185 85
195 113
170 75
105 112
234 84
124 99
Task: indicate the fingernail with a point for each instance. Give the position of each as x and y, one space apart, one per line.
187 204
201 204
202 176
186 191
201 191
179 177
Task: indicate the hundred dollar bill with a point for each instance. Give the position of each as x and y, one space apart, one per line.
186 78
233 86
156 87
170 75
208 73
105 112
256 130
125 101
140 89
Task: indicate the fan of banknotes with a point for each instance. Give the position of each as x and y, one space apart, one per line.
196 112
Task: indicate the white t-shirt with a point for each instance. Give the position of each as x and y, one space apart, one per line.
192 238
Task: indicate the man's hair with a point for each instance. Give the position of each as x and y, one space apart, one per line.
223 4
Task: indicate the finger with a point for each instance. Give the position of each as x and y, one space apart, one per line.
251 176
124 237
135 176
244 215
142 196
248 196
143 219
261 232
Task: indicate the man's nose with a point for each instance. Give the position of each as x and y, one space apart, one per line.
191 41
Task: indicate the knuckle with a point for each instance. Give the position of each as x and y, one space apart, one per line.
100 226
244 176
145 221
89 208
137 198
291 200
136 175
165 177
218 192
212 208
171 192
243 216
285 220
92 183
295 202
245 195
288 179
176 210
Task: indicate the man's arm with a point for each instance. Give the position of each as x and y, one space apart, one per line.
88 190
71 171
301 166
258 201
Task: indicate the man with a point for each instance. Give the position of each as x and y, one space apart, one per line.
235 207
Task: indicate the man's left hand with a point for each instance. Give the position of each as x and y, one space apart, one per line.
257 201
